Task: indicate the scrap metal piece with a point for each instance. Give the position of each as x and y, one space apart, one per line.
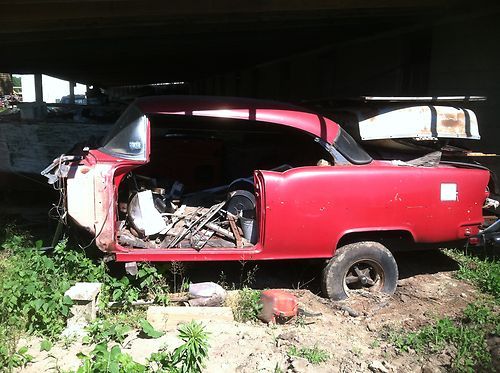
419 122
428 160
220 230
144 216
201 238
491 203
236 232
197 224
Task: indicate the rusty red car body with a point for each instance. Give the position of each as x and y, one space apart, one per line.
303 212
309 211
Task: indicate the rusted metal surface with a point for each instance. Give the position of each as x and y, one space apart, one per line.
419 122
236 233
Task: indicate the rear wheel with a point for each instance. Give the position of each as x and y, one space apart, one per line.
362 265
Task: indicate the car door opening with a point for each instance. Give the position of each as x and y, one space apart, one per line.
197 190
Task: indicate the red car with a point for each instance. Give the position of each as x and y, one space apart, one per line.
186 178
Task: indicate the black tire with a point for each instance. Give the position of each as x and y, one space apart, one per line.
365 264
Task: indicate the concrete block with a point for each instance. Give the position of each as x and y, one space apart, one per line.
84 296
164 318
33 110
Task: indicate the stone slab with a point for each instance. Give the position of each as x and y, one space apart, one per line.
163 318
84 291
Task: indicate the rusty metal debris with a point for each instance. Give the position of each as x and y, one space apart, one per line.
204 219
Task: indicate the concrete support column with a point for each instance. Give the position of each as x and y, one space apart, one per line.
72 92
38 89
35 110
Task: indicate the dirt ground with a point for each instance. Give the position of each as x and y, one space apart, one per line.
351 331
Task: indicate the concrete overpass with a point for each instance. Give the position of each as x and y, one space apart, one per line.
282 49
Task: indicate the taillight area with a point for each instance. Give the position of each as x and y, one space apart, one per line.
474 241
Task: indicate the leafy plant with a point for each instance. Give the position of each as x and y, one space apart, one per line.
314 355
247 305
10 356
46 345
19 358
189 357
113 360
148 329
192 353
103 330
155 283
33 293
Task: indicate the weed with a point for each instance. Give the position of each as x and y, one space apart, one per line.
357 351
33 282
223 280
46 345
131 316
9 338
103 330
375 344
101 359
193 352
33 293
189 357
247 276
277 369
300 321
19 358
178 269
247 305
10 355
152 281
484 273
148 330
67 341
314 355
467 335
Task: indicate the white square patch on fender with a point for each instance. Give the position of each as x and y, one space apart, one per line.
449 192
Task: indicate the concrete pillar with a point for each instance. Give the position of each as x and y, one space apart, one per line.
72 92
34 110
38 89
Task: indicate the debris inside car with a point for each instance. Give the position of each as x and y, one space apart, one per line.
151 217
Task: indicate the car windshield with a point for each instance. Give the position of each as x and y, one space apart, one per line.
127 138
350 149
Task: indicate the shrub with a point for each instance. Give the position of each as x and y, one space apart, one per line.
247 305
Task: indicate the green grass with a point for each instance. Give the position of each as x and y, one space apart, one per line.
482 271
467 334
314 355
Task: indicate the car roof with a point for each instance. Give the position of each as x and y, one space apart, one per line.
241 108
